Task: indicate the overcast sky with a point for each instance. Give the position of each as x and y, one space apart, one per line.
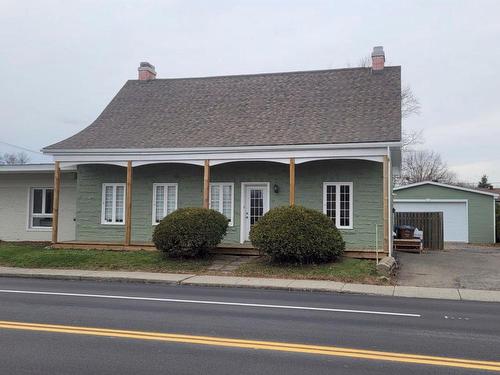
61 62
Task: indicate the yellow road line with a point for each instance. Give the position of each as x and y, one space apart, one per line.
261 345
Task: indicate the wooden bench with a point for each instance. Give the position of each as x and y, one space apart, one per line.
413 245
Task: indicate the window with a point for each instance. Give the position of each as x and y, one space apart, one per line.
222 199
41 208
337 203
164 201
113 204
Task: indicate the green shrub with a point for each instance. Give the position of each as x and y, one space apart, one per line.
190 232
297 235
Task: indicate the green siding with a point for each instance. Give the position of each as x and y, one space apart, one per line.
481 223
91 177
88 203
365 175
367 181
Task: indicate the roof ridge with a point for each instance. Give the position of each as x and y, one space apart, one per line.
292 72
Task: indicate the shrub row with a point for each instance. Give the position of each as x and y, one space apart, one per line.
286 234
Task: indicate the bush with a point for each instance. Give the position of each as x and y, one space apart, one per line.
190 232
297 235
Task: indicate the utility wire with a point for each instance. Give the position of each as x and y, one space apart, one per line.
21 148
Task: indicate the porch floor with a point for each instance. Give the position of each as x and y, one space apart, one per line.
226 249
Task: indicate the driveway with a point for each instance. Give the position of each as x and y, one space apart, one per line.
464 266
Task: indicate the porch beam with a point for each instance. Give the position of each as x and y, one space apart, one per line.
128 205
385 174
292 181
55 202
206 183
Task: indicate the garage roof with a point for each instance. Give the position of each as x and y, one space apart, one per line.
494 195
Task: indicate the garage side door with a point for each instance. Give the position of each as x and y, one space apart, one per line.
455 217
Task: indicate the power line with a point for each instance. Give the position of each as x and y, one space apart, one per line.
21 148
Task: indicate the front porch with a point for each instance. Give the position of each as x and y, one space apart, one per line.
253 187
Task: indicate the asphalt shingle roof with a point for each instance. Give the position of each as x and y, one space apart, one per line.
328 106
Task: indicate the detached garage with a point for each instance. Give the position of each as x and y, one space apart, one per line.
468 214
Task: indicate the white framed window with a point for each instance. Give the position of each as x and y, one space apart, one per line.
337 203
40 211
164 201
222 199
113 203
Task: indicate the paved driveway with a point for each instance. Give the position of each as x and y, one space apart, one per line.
471 267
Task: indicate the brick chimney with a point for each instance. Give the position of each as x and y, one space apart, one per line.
146 71
378 58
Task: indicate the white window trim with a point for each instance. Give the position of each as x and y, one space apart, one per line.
165 185
337 202
103 203
221 185
31 215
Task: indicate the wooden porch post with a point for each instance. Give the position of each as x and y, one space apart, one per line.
292 181
55 203
385 175
128 205
206 184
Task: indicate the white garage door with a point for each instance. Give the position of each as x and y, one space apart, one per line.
454 216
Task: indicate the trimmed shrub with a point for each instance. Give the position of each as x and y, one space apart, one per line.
190 232
297 235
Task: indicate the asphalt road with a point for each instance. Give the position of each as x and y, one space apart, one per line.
451 329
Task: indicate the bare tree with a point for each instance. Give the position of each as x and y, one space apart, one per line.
411 138
410 105
14 158
365 62
424 165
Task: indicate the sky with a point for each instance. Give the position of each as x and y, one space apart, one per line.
61 62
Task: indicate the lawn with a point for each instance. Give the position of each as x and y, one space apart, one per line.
32 255
344 270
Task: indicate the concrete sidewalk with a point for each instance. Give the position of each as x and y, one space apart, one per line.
254 282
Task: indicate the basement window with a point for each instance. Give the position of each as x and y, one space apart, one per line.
113 204
164 201
41 200
222 199
337 203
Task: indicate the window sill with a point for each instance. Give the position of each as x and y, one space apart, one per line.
39 229
114 224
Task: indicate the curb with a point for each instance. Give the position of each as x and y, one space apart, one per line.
258 283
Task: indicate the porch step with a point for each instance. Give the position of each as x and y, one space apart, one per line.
235 249
364 254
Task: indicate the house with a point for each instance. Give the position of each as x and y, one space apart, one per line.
468 214
26 194
328 140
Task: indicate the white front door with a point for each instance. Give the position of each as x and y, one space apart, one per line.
255 203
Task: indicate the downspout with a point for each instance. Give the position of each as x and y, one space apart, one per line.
389 182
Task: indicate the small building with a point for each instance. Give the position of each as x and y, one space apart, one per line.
468 214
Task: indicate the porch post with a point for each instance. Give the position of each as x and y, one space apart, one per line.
128 205
292 181
55 202
206 184
385 175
